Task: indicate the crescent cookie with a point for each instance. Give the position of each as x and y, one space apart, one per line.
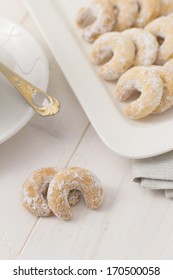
98 18
169 66
167 97
162 28
146 46
127 12
115 51
166 7
145 81
34 192
148 10
73 179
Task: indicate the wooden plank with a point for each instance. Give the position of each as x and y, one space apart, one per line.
43 142
132 223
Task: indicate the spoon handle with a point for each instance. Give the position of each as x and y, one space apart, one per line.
29 92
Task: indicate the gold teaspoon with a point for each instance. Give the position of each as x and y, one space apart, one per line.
29 92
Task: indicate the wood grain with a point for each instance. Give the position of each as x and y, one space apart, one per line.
43 142
131 224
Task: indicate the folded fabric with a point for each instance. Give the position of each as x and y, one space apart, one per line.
155 173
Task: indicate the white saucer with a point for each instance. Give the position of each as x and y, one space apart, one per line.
20 52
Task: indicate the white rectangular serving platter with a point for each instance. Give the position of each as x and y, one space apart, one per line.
133 139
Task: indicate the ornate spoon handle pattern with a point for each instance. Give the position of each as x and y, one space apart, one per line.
29 92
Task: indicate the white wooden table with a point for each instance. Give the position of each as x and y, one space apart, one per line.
131 224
